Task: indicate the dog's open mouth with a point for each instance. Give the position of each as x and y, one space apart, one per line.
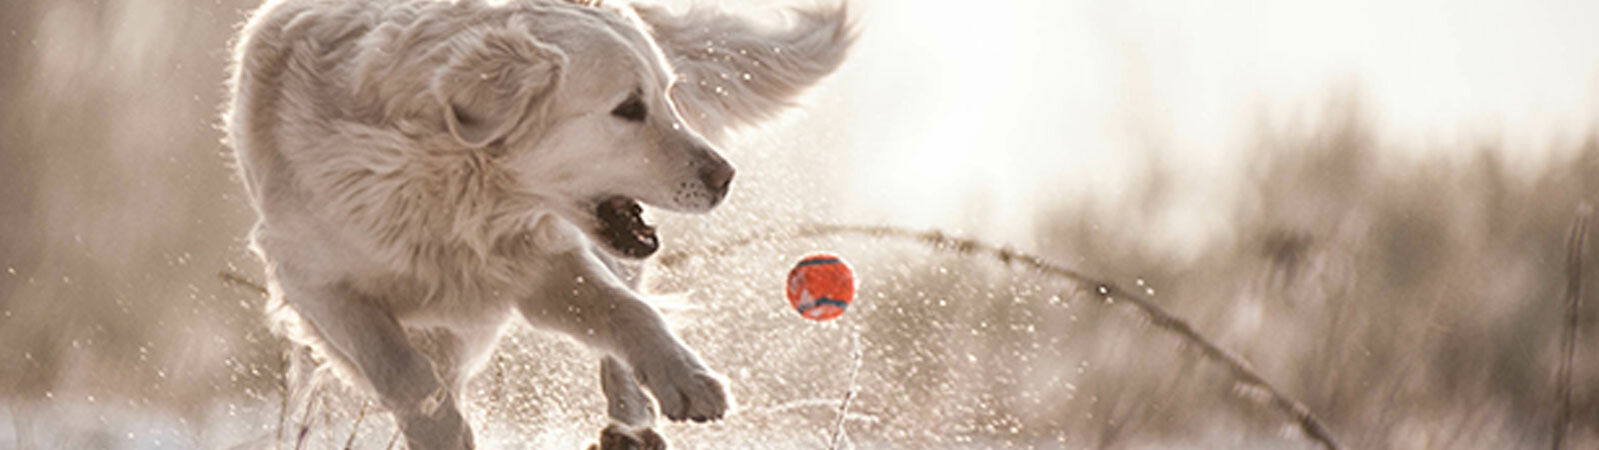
622 227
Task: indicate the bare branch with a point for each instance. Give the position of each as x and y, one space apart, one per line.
1158 316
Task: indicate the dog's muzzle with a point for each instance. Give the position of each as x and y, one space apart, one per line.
717 177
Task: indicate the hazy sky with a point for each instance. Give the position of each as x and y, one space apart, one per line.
1007 105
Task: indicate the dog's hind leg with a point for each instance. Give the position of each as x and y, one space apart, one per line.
364 337
458 353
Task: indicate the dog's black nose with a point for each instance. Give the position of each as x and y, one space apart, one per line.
717 176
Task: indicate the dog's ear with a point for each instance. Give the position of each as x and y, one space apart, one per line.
493 79
733 72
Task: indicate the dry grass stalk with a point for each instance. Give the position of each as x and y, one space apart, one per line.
1156 315
356 429
849 396
241 281
1575 243
283 397
307 418
283 371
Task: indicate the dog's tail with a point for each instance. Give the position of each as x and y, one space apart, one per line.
734 72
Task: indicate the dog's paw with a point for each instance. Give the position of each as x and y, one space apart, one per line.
617 437
686 391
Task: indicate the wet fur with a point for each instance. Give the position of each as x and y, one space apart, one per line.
426 166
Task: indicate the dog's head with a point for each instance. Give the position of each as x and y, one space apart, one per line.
583 109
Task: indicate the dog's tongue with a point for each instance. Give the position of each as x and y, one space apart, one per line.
623 228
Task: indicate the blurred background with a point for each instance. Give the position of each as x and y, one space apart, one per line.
1368 201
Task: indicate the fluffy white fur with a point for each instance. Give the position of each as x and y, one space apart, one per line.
432 168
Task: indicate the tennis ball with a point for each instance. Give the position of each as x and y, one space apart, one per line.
821 286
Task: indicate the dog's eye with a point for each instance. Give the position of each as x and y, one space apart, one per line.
631 110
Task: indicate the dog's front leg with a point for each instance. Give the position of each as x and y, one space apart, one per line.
363 335
632 412
625 402
578 295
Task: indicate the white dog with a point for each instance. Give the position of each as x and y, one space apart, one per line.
445 166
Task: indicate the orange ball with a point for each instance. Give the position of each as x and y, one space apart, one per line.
821 286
